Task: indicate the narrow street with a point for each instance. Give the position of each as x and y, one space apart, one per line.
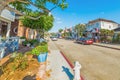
98 63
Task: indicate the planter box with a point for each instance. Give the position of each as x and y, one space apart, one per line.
42 57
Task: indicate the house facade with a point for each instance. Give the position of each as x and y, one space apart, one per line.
93 27
26 32
6 18
117 30
101 24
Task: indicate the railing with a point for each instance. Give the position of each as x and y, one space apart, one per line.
8 46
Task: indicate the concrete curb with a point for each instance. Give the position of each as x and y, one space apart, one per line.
71 65
107 46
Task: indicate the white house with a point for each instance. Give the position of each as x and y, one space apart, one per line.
101 24
6 17
117 30
95 25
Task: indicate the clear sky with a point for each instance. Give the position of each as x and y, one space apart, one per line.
82 11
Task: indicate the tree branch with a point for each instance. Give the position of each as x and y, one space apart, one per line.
22 14
53 8
6 2
44 9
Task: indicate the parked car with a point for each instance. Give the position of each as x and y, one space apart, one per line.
54 38
85 41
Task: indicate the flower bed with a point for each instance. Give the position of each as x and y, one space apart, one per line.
19 70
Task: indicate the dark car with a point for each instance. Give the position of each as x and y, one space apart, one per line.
85 41
79 40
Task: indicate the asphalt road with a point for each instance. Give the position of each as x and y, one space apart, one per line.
98 63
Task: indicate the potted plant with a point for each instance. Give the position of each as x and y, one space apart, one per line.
41 52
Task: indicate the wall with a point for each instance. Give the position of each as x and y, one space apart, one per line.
26 32
108 25
92 26
14 28
101 25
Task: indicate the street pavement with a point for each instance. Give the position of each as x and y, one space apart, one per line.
98 63
59 67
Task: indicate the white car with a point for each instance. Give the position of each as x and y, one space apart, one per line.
54 39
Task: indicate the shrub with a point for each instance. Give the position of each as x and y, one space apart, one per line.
24 43
22 37
20 62
33 42
40 50
43 43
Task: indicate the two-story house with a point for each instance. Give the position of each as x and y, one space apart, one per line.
93 27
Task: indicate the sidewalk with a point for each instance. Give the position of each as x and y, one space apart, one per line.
60 69
112 46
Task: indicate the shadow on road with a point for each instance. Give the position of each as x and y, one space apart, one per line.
69 74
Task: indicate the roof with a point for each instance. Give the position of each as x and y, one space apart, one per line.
117 29
101 19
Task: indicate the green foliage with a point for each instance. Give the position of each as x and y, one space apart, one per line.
20 6
116 39
53 34
80 29
106 35
23 5
23 37
13 55
43 43
40 49
105 32
20 62
24 43
33 42
60 30
28 52
43 23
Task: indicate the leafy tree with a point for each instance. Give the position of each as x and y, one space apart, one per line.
80 28
105 32
23 7
106 35
42 24
38 19
60 30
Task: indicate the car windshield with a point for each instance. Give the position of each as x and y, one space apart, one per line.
87 38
